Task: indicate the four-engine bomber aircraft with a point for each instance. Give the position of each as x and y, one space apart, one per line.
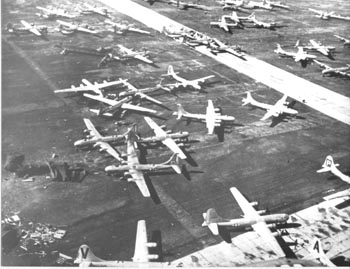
96 87
88 9
185 5
330 166
70 28
135 170
142 258
38 30
300 56
182 82
251 218
116 105
166 137
275 110
328 15
216 46
261 24
54 13
212 118
129 53
133 91
239 19
95 139
345 40
334 71
224 25
121 28
325 50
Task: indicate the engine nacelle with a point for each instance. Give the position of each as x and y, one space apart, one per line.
263 211
102 150
153 256
162 126
151 244
168 131
255 203
181 144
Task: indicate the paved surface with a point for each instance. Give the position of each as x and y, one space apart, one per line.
315 96
274 165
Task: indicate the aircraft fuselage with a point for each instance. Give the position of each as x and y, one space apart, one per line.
153 139
92 141
248 222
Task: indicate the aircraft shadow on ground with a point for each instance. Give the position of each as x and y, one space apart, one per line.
225 128
154 196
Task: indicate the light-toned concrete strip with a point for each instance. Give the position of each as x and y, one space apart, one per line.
326 101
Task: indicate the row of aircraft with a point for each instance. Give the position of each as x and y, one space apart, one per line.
129 164
227 22
266 226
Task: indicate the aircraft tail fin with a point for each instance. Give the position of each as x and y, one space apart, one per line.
247 100
86 256
211 219
180 111
327 165
317 252
171 70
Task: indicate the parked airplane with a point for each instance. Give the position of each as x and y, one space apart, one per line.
275 110
116 106
260 24
95 139
88 86
93 136
328 15
88 9
70 28
185 5
345 40
317 253
135 170
334 71
38 30
251 218
239 19
121 28
166 137
300 56
212 118
254 4
133 91
129 53
224 25
54 13
329 166
216 46
325 50
182 82
141 258
276 4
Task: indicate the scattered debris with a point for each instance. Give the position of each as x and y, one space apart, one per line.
14 162
62 172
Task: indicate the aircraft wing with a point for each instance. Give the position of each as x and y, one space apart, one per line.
260 228
264 232
141 248
102 99
210 117
86 30
104 84
316 11
169 142
243 203
67 24
136 30
31 28
143 58
149 98
92 129
268 114
137 108
110 150
203 79
322 65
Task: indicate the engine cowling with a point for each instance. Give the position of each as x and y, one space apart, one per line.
255 203
153 256
151 244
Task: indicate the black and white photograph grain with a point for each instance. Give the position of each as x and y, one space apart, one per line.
175 133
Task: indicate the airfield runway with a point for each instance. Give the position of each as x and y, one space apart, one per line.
273 165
